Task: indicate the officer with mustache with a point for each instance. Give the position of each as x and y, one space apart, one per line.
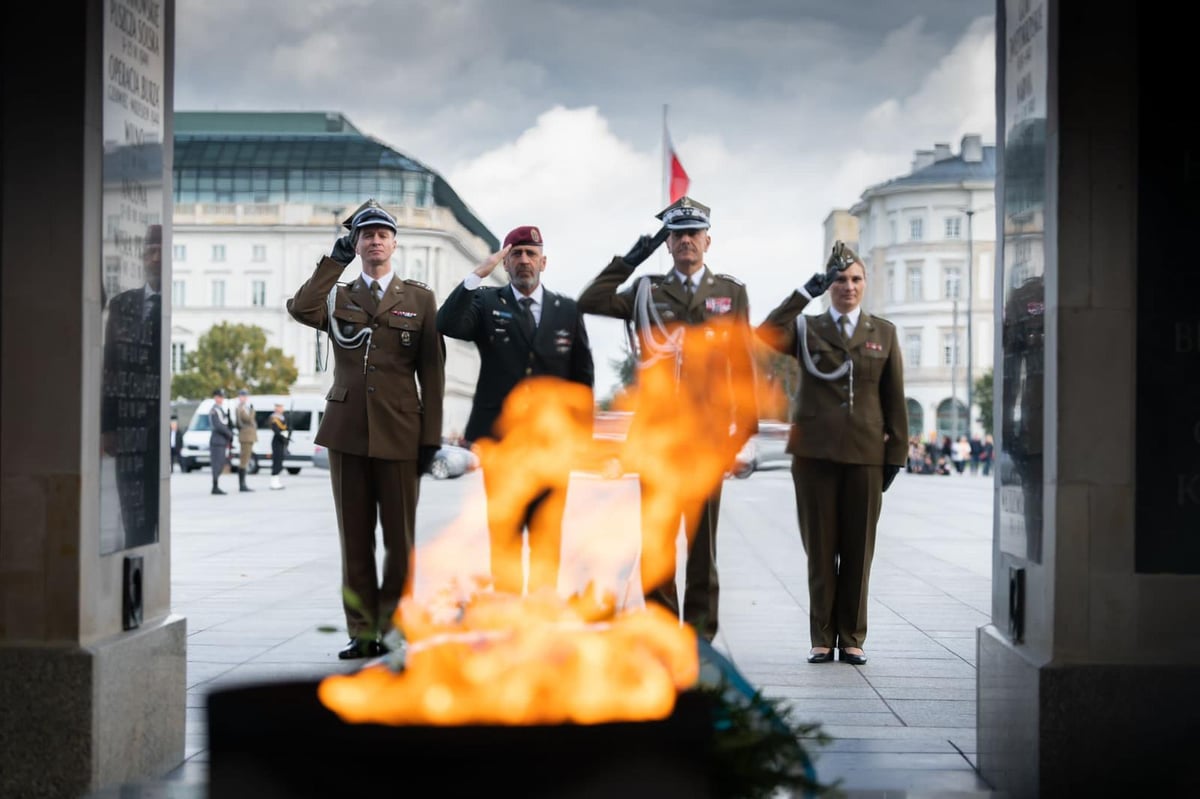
695 301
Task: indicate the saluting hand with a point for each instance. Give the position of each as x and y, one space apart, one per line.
491 262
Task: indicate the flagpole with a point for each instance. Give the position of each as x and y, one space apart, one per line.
666 161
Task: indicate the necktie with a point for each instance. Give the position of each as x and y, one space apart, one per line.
689 290
843 326
376 291
527 315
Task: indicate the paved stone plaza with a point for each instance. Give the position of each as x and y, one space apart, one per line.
257 574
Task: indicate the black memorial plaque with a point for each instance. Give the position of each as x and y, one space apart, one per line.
1168 312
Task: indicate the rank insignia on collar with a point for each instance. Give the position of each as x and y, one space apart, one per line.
406 314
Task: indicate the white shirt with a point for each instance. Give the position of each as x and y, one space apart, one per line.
384 281
694 279
851 320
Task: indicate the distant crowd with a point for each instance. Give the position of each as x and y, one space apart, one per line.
934 455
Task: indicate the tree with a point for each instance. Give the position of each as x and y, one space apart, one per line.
233 356
983 398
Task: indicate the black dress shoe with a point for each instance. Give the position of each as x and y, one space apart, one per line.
358 648
853 660
377 649
820 657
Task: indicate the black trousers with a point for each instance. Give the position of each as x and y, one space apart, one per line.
278 451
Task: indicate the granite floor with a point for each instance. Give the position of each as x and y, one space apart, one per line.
257 574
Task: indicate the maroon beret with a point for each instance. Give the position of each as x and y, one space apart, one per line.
526 234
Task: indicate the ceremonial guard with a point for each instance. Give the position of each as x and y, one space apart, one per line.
220 439
849 439
664 309
383 414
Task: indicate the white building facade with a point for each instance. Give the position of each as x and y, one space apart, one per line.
928 241
259 198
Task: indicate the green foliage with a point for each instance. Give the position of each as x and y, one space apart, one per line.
759 747
625 366
233 356
983 398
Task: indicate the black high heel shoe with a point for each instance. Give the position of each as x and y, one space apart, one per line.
853 660
820 657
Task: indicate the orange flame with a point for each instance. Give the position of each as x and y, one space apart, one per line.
485 656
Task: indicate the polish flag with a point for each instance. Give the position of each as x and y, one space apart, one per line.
675 177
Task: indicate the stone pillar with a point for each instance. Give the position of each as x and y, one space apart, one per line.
90 695
1089 675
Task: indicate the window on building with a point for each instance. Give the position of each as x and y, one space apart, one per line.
258 293
950 349
953 227
915 283
891 283
178 293
916 229
218 293
258 253
912 349
951 282
179 253
952 418
178 357
892 231
218 253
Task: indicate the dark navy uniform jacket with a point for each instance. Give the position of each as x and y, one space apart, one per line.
488 316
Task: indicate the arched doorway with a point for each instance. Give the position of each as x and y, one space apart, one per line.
916 417
952 419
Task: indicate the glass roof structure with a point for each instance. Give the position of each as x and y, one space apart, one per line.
262 157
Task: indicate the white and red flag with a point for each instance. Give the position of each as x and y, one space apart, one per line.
675 177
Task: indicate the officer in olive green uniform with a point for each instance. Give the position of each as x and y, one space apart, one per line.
849 438
383 415
717 307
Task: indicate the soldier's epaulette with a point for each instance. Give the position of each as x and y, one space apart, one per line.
416 283
730 278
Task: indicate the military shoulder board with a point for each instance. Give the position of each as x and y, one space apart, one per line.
731 279
418 283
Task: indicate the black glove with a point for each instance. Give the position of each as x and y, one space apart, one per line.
645 246
889 474
816 285
425 455
343 250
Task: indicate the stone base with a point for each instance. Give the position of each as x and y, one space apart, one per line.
1085 729
77 719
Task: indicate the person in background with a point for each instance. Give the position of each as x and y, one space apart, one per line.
281 436
848 440
175 441
247 430
220 438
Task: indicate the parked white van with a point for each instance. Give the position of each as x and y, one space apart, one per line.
303 411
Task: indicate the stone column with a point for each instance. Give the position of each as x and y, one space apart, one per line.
1089 675
91 695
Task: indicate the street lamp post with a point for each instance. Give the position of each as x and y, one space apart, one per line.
970 298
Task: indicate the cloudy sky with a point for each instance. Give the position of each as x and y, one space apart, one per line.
550 112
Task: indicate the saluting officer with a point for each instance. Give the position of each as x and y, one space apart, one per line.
848 440
717 307
521 330
383 415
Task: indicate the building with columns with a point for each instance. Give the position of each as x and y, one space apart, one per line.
928 241
258 199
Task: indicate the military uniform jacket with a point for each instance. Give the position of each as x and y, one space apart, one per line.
718 298
824 425
488 316
374 407
218 421
246 424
